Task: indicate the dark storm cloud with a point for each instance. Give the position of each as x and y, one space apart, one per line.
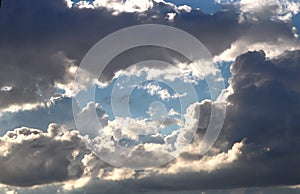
266 98
38 39
264 110
218 32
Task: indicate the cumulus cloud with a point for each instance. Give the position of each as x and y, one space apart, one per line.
117 6
264 108
279 9
206 163
61 156
265 9
89 125
140 143
31 157
258 37
260 121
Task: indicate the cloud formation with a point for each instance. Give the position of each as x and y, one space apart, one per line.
32 157
43 44
40 51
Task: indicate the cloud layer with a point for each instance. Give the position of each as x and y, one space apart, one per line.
40 46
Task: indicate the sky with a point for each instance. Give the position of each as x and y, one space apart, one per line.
149 96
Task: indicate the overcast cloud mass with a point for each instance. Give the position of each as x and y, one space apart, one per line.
42 44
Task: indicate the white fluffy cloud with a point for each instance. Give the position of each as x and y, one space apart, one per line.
279 9
126 141
117 6
128 6
156 89
272 49
206 163
185 72
265 9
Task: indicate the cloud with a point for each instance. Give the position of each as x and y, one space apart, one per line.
206 163
89 125
40 52
170 74
140 143
117 6
283 38
264 9
59 111
33 70
35 60
31 157
23 75
264 108
279 9
164 94
276 190
260 121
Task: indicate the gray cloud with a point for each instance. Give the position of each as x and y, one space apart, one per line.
277 190
36 48
31 157
265 107
40 40
264 110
